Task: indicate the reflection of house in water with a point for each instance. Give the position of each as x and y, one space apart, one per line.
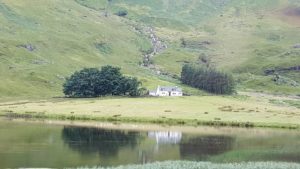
168 139
165 137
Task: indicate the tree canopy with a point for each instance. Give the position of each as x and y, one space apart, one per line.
207 79
93 82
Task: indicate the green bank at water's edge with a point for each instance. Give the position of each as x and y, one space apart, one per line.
206 110
206 165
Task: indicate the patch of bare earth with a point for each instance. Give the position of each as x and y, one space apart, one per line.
290 15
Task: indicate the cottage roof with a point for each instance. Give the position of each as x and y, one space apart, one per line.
170 89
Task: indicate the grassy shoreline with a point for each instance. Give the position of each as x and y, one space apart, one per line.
191 111
170 122
205 165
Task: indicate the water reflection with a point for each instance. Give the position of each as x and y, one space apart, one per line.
165 137
56 146
105 142
201 148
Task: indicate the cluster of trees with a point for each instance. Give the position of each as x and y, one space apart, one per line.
207 79
93 82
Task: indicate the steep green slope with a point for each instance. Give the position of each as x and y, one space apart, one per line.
243 37
42 42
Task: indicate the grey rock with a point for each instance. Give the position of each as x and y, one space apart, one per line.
297 46
29 47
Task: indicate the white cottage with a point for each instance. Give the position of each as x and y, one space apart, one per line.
166 91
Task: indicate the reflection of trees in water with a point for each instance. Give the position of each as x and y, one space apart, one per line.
202 147
91 140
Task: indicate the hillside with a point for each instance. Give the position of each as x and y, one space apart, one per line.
42 42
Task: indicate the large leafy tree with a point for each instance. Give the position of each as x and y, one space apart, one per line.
92 82
109 80
83 83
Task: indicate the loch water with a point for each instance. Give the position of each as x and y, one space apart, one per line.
41 144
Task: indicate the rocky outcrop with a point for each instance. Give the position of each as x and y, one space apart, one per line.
273 71
280 80
297 46
29 47
158 46
195 44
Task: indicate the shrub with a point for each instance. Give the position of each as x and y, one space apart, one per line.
122 13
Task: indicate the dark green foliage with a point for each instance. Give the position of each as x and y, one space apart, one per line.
83 83
207 79
122 13
183 42
128 86
92 82
103 48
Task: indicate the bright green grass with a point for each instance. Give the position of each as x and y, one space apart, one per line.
246 37
293 103
256 154
66 37
177 57
208 110
262 84
205 165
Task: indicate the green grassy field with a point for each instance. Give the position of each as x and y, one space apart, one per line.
243 111
43 42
